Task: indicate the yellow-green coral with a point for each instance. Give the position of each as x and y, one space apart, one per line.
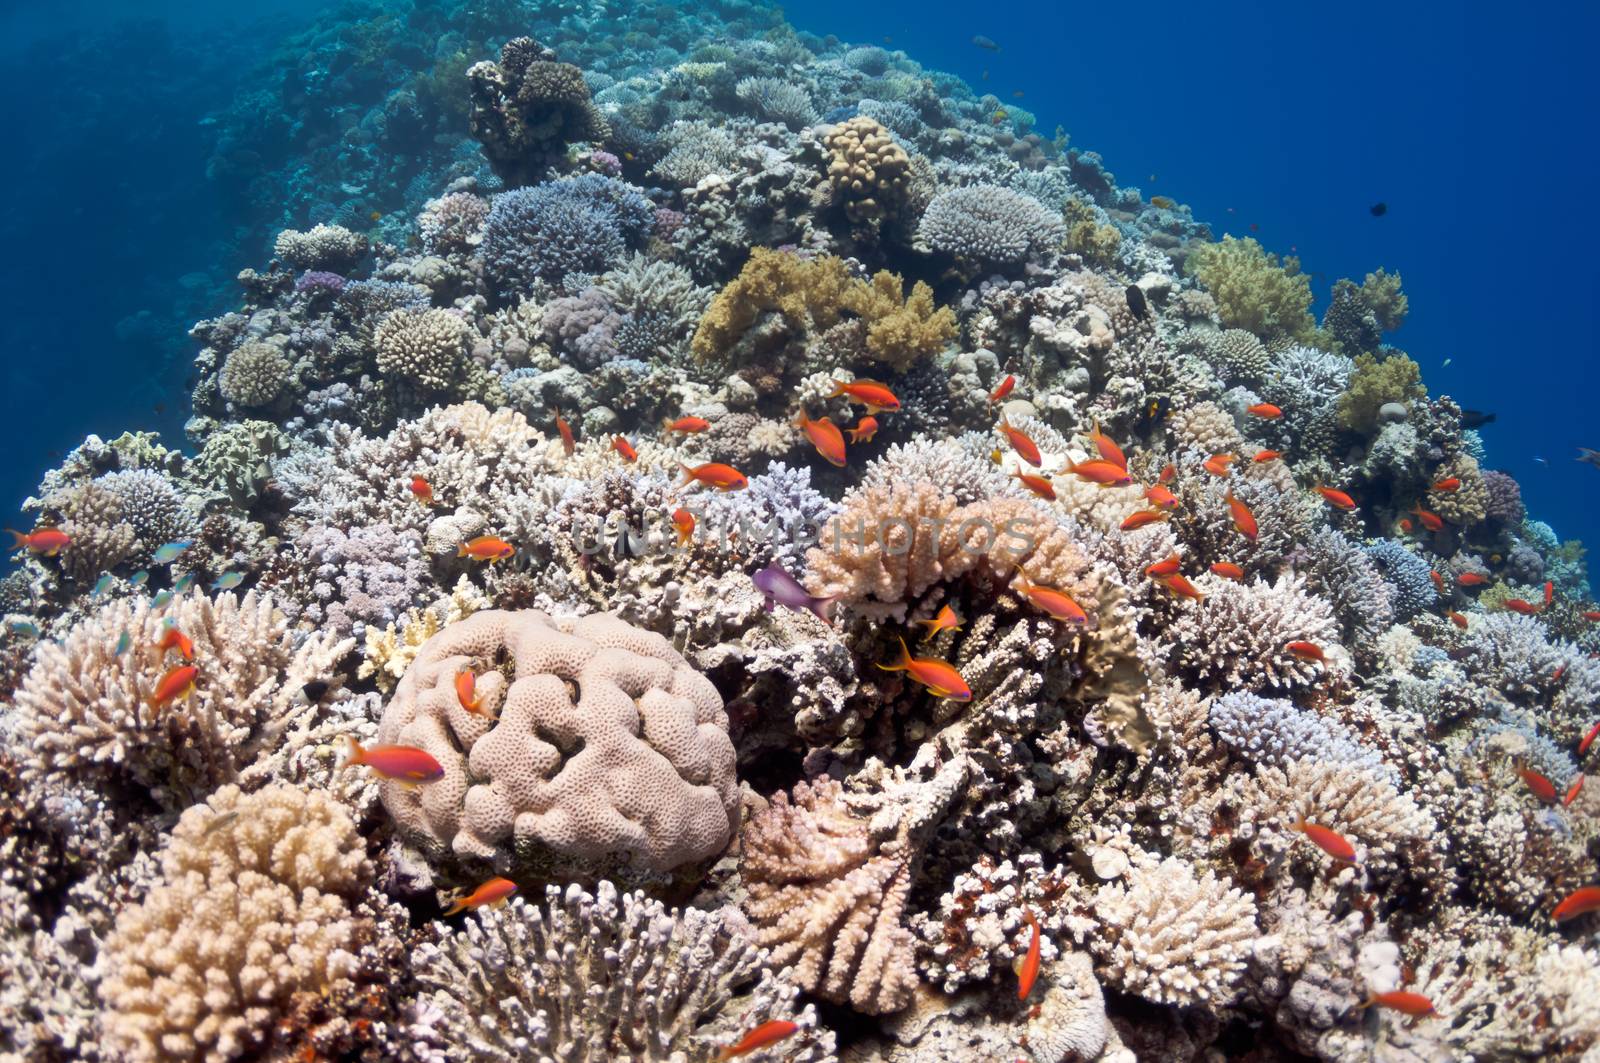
1395 379
1255 290
812 295
1097 243
1382 295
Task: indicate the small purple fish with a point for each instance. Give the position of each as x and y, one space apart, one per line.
780 588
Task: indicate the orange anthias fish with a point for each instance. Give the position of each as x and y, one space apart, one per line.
715 474
768 1033
1457 619
422 490
568 444
625 448
1039 485
1579 902
1107 448
1337 499
1447 485
1537 784
1549 591
946 620
876 397
1104 473
688 425
1143 517
942 680
1413 1004
1217 464
1438 580
1244 521
1167 566
1158 495
1522 605
683 522
1264 409
1028 972
172 638
467 691
1305 651
1329 841
486 548
1472 579
1168 471
1592 615
825 436
1588 740
1058 604
1266 455
1003 388
864 430
46 541
1573 791
495 891
1228 570
1405 525
1181 587
1025 447
176 683
1432 521
406 764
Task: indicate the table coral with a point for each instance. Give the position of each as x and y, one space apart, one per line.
600 749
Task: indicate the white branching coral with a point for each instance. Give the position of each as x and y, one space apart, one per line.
1173 937
84 712
423 347
253 907
1238 637
1357 800
588 978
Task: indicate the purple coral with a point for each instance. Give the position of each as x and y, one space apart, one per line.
582 328
364 576
1505 498
316 282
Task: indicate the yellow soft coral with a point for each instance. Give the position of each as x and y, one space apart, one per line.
1374 383
812 295
1255 290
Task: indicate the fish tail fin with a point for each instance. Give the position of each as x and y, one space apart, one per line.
838 389
822 608
688 473
20 539
352 755
461 551
904 660
457 905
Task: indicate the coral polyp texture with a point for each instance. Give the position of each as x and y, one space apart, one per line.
849 573
593 744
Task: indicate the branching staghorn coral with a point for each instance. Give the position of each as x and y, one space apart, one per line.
83 715
1237 636
589 978
827 884
253 907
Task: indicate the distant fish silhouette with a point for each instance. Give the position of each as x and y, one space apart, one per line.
1475 418
1379 209
1589 457
1137 304
985 43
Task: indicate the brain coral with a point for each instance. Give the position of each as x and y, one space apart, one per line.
252 909
600 746
988 225
422 347
253 375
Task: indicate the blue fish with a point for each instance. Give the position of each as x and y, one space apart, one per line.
102 585
170 552
25 627
160 600
185 581
124 640
138 578
228 581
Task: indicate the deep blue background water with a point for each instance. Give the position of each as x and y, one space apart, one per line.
1294 118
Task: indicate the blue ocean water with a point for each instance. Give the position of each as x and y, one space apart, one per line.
1273 121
